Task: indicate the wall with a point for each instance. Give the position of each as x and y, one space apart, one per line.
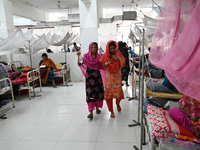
108 31
26 11
3 58
76 74
6 18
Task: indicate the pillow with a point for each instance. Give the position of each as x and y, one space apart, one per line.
190 107
158 87
59 66
164 126
150 79
145 104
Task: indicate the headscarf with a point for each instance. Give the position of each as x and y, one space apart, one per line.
89 61
114 66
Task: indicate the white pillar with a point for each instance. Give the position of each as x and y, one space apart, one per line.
89 22
6 18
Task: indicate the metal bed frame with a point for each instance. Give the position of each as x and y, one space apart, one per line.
65 74
7 88
31 77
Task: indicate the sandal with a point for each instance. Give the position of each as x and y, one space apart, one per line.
119 108
90 116
54 86
112 115
98 111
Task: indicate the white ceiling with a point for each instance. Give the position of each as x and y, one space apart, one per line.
110 7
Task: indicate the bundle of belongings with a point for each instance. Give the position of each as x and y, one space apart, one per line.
179 125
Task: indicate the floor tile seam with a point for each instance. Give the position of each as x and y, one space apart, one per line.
28 132
116 142
66 126
22 138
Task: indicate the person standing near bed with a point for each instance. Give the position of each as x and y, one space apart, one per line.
94 83
113 61
126 69
47 72
3 73
76 48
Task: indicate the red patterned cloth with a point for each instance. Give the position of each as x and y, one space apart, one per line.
164 126
19 81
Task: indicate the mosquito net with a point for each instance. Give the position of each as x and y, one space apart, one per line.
157 10
137 32
19 40
76 39
15 41
149 22
9 38
131 35
41 43
175 45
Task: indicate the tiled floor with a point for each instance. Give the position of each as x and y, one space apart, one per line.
57 121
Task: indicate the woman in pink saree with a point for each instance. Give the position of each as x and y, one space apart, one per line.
94 83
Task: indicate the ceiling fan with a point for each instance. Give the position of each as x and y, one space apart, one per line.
59 6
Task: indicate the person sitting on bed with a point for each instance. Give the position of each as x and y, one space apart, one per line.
46 69
168 84
155 72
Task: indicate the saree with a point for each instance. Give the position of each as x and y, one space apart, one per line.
49 76
113 81
94 83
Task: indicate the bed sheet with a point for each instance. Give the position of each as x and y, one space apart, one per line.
163 95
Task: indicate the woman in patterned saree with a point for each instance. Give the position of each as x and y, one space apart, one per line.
113 60
94 84
47 72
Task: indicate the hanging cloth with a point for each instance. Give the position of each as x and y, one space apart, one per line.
175 45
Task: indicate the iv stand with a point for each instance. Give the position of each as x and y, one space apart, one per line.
33 95
133 80
66 83
137 123
142 100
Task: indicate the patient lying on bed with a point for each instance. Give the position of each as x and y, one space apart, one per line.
16 75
